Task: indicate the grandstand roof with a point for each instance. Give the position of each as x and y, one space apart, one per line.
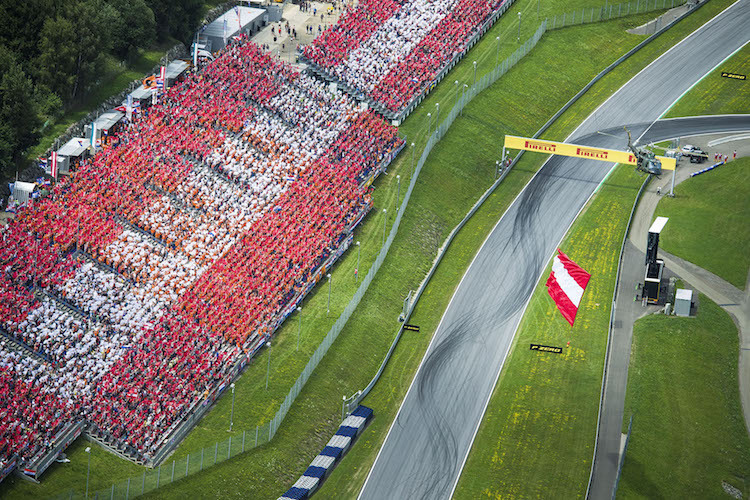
142 93
234 21
176 68
108 119
74 147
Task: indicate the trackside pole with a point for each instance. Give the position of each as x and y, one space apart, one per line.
671 189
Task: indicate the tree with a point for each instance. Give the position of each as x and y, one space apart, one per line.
21 23
135 26
56 63
72 47
177 18
19 122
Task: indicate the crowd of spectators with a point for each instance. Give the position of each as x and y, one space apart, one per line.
394 56
32 412
146 276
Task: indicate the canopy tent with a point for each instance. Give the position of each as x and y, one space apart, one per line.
74 147
104 124
108 120
175 69
22 191
71 153
142 93
238 20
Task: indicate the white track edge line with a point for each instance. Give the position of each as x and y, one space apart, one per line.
476 430
369 474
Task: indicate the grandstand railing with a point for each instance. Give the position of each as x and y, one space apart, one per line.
41 462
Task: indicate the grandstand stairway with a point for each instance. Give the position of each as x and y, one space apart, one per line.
20 347
104 444
192 211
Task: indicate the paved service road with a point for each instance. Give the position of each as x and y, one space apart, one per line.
609 441
429 440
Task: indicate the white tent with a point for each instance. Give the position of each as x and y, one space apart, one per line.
22 191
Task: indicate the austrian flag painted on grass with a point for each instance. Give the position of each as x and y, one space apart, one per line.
566 284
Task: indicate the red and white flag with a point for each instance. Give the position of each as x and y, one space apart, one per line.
566 284
53 165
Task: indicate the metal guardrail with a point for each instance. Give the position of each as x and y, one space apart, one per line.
355 399
267 431
486 81
617 277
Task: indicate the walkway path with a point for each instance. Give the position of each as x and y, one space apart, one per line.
628 310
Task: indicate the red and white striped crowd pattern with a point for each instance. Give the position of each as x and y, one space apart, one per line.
143 279
390 51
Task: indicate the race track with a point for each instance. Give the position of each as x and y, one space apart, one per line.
427 444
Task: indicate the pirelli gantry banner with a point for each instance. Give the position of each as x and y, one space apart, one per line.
561 148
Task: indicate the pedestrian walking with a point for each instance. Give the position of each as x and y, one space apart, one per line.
734 155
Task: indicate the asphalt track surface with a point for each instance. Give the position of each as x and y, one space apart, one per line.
428 442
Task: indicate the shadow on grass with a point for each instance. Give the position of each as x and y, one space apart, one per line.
637 481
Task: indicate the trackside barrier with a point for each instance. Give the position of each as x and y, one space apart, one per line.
707 169
326 461
611 11
502 68
612 316
206 457
441 129
622 457
693 7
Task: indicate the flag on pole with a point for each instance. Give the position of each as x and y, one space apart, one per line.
195 52
162 76
225 31
239 16
53 163
566 284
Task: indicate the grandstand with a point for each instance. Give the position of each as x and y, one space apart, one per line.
392 53
136 291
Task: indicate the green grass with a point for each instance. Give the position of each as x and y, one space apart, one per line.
537 435
688 431
452 180
116 79
708 221
437 205
716 95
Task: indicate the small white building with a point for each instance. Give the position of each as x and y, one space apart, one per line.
683 301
